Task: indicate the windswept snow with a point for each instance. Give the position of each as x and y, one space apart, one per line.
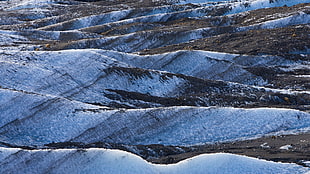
28 4
204 64
247 5
38 120
294 19
40 92
152 74
116 161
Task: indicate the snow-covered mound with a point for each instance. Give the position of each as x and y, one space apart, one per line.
81 75
108 77
34 119
204 64
150 73
115 161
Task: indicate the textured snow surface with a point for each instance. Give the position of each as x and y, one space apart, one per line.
203 64
60 96
246 5
86 67
33 119
116 161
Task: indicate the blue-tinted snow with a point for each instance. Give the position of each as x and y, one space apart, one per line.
32 119
105 161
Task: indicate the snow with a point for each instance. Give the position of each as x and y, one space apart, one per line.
10 38
138 41
28 4
294 19
89 21
96 160
300 18
303 76
203 64
46 96
32 119
122 17
79 74
265 145
227 163
307 163
286 147
247 5
69 72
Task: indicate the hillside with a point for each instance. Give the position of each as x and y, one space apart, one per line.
165 80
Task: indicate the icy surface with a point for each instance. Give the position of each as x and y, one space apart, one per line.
116 161
60 96
32 119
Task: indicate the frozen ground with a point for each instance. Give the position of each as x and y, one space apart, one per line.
156 78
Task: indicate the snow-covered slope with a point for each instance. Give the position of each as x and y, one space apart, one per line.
150 74
246 5
204 64
115 161
32 119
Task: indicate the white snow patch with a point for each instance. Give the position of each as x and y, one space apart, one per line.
265 145
294 19
286 147
247 5
307 163
96 160
28 4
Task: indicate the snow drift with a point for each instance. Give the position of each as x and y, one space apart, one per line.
116 161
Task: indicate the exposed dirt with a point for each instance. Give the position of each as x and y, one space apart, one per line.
280 41
284 148
265 148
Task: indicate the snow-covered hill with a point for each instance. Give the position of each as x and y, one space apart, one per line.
147 76
115 161
116 79
40 120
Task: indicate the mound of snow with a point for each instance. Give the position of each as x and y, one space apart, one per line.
116 161
203 64
32 119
